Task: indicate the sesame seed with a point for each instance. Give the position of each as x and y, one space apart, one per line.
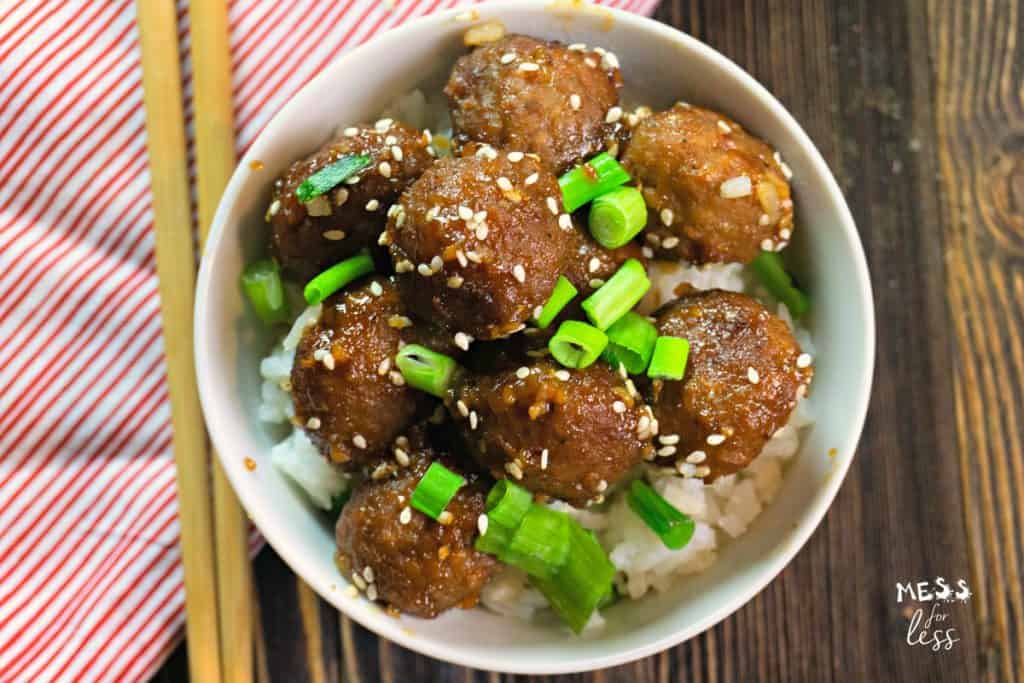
577 47
630 387
669 242
385 169
455 281
508 58
685 469
590 61
396 378
785 233
313 423
399 321
702 471
596 283
544 459
737 187
610 61
351 132
482 231
715 439
480 216
404 266
460 256
462 407
383 367
424 270
666 451
552 206
504 184
396 152
465 213
436 263
786 203
803 360
602 486
392 140
724 127
515 157
376 289
696 457
647 252
358 581
383 125
528 66
666 216
353 180
575 102
328 361
445 517
593 265
643 424
619 407
463 340
514 469
669 439
600 51
371 592
474 420
765 219
531 179
334 235
402 457
481 524
473 256
565 221
562 375
613 115
275 206
519 273
767 245
752 376
523 372
368 573
405 516
359 441
372 205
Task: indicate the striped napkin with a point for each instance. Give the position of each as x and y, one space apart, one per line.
91 583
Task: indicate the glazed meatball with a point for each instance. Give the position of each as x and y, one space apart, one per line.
475 245
716 194
590 265
568 434
534 96
308 238
406 559
744 375
348 397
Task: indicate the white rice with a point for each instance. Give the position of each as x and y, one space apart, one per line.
722 511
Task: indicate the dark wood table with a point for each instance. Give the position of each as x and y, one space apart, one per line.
918 108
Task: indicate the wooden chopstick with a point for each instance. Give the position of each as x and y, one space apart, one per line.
165 131
215 161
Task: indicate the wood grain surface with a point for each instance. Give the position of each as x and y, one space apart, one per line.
918 107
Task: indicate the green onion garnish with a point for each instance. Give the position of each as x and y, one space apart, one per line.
506 506
772 273
564 293
617 216
673 527
631 342
669 358
261 282
592 179
541 543
337 276
426 370
617 296
330 176
435 490
576 344
580 585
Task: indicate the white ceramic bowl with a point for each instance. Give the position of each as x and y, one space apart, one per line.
660 65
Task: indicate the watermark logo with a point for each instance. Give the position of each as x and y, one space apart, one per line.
929 625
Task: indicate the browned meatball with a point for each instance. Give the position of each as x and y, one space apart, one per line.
406 559
742 381
716 193
307 238
535 96
568 434
349 399
475 245
590 265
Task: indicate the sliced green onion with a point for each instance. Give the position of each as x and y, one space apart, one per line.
262 284
617 296
582 582
426 370
576 344
631 342
772 273
669 358
435 490
541 543
331 175
592 179
673 527
617 216
564 293
337 276
506 506
610 598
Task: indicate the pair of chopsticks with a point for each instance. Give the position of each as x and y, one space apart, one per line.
214 534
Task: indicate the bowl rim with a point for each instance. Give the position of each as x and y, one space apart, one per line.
391 629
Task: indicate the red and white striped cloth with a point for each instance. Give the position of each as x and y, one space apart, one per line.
90 573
